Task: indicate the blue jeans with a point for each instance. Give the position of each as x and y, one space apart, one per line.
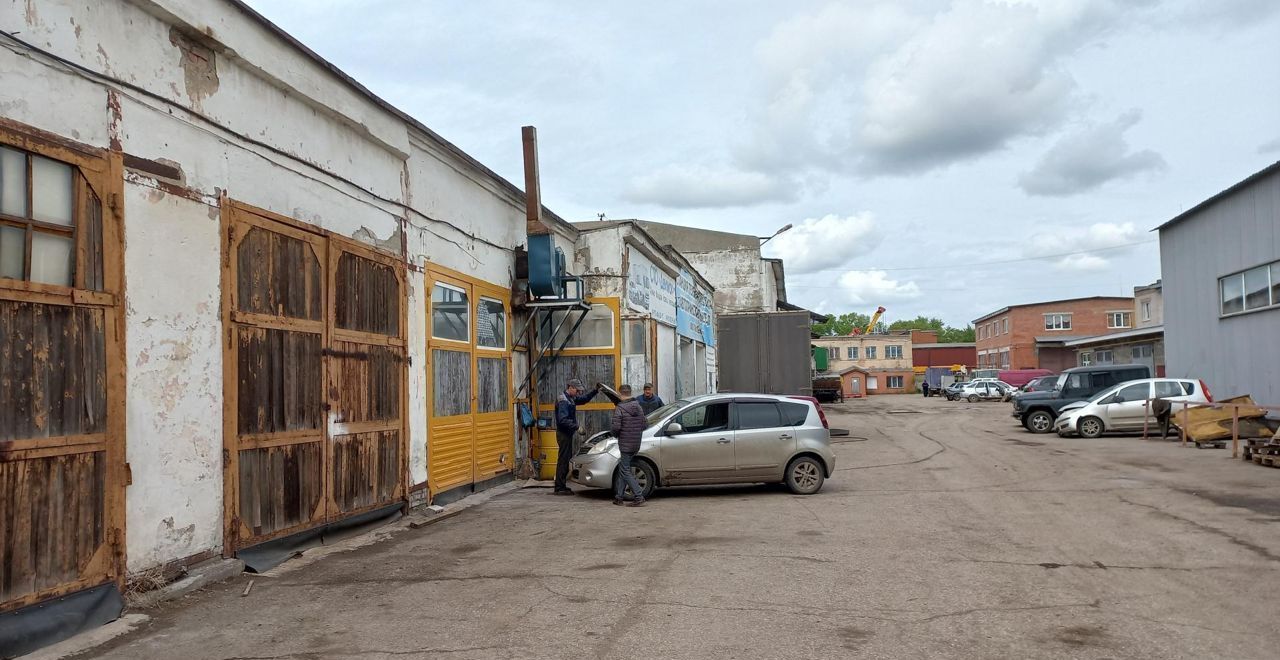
628 479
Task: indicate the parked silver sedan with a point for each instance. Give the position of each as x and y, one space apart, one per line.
720 439
1124 407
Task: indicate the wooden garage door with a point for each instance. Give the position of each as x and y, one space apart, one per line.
471 428
61 372
315 372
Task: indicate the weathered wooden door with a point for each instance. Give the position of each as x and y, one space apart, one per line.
366 366
62 471
274 370
471 427
315 370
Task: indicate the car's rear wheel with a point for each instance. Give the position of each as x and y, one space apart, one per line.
645 475
1038 422
805 476
973 398
1090 427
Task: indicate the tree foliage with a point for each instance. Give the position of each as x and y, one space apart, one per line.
843 324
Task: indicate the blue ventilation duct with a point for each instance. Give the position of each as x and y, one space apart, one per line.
546 267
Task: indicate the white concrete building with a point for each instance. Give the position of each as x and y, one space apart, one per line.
744 281
667 322
282 302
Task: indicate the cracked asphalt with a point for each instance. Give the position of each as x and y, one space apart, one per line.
946 532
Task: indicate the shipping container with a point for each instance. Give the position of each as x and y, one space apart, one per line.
765 352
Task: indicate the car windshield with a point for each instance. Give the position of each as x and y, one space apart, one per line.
1105 393
657 415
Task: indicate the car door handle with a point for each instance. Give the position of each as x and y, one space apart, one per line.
784 436
722 441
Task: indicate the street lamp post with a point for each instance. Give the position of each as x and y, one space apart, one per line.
766 239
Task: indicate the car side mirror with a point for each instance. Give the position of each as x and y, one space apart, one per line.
674 428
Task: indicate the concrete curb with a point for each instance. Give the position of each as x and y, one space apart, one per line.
199 576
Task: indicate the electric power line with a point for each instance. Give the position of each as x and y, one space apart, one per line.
981 263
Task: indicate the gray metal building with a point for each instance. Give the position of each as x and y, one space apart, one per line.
1220 263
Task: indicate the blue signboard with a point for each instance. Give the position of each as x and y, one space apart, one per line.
694 310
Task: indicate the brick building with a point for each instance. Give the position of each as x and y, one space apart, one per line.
870 364
1034 335
1144 344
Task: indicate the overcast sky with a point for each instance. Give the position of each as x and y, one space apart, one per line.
911 143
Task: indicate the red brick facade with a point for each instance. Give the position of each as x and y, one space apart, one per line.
1006 339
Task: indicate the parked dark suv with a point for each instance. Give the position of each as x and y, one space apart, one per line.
1038 410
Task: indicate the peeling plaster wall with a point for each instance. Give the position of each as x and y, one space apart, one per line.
174 367
598 259
417 312
738 277
469 226
252 118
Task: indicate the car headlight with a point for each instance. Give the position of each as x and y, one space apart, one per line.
604 446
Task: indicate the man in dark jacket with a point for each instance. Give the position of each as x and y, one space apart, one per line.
649 401
628 426
567 427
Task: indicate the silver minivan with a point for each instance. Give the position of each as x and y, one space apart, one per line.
1124 407
720 439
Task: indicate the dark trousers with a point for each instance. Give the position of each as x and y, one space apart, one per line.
564 445
627 480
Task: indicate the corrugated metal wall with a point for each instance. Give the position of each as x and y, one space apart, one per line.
1235 355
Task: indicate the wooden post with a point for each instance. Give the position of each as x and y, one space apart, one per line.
1183 425
532 184
1235 431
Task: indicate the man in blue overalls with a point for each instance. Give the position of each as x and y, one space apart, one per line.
567 427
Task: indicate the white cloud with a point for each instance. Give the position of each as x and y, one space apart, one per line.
1088 158
695 186
827 242
894 91
1269 147
874 287
1094 244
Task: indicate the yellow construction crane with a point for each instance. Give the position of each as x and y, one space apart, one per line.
870 326
874 317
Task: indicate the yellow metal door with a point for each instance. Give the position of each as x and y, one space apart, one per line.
470 430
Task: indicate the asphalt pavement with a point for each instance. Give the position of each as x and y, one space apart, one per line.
946 532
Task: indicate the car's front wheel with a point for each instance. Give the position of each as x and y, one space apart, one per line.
645 475
973 398
805 476
1038 422
1090 427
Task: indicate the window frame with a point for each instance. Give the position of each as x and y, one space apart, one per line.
1057 321
870 352
88 171
1125 317
889 352
1145 305
889 382
506 324
469 330
1271 270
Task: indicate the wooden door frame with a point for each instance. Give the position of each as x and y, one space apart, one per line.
322 242
103 170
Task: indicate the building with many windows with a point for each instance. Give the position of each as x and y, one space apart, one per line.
1220 263
1143 344
870 364
1034 335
